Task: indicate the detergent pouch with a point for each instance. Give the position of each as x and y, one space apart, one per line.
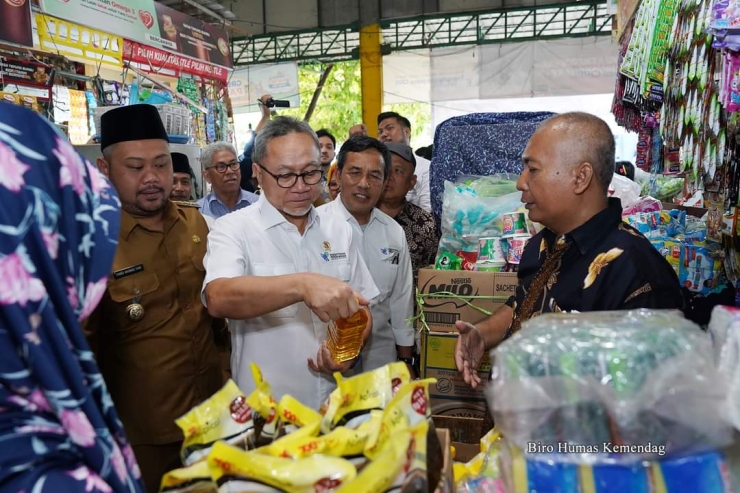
224 416
670 249
193 479
235 470
701 269
637 379
353 399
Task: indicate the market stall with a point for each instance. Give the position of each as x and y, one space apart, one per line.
75 72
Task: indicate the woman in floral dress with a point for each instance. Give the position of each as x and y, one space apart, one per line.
59 222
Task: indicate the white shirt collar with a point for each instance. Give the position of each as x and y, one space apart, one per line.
272 217
376 214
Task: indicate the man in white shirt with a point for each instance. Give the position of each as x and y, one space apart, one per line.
363 166
393 127
279 272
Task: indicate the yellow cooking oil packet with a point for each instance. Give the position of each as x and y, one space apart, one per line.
355 397
340 442
382 474
409 407
224 416
236 470
293 415
265 409
192 479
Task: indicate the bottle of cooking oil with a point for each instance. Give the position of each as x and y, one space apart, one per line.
345 336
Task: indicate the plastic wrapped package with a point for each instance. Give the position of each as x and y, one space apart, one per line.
467 217
705 472
642 381
645 204
626 190
724 327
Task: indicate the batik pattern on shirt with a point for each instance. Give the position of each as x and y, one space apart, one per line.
58 228
421 236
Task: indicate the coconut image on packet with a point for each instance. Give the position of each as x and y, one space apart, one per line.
224 416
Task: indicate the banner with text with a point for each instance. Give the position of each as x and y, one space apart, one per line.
149 23
248 84
157 61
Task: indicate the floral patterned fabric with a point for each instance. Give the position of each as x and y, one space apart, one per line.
59 226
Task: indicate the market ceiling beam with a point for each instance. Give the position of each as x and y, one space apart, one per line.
588 18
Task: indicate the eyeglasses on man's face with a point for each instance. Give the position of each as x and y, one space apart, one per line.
221 167
288 180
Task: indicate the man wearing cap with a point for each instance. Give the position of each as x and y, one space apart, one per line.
417 223
182 186
152 336
363 166
222 170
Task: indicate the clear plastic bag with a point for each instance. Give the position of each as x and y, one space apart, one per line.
468 216
625 190
643 382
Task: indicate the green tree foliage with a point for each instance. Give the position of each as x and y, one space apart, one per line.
340 104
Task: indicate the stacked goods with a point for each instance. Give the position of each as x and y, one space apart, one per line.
481 226
374 435
697 261
608 391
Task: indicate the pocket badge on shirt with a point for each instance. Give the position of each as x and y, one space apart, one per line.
391 255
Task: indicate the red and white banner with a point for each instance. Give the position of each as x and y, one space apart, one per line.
156 61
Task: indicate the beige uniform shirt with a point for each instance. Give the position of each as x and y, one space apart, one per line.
161 366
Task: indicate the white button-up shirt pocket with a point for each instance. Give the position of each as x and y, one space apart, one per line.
387 271
277 269
341 270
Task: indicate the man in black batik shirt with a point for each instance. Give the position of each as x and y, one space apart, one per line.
417 223
585 258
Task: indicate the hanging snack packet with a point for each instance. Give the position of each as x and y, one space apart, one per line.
224 416
235 470
265 410
193 479
293 415
353 399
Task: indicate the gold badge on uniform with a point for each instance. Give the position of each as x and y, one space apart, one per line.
135 310
196 239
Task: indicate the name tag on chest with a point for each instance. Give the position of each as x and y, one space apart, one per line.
120 274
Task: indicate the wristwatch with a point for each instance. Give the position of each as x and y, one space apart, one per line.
412 361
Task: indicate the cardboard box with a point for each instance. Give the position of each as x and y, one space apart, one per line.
442 313
450 396
447 481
